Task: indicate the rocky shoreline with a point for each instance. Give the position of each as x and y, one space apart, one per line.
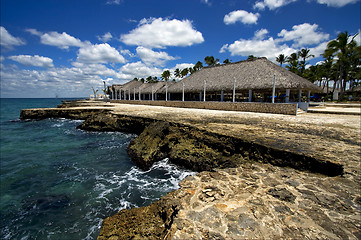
250 184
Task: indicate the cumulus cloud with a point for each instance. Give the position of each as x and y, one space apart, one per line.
60 40
272 4
336 3
241 16
113 2
303 34
260 34
106 37
261 48
35 61
151 57
139 70
67 82
99 53
8 41
161 33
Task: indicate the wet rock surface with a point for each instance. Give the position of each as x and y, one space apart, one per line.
260 201
251 199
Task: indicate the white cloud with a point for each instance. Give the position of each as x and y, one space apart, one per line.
60 40
336 3
358 38
113 2
260 34
106 37
271 4
260 48
303 34
66 82
161 33
139 70
35 61
99 53
319 49
8 41
241 16
151 57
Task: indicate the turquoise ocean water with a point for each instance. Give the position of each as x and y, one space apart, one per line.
58 182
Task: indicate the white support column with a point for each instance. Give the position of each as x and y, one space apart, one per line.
288 91
140 95
166 92
234 90
222 96
250 95
308 96
204 90
134 94
129 94
274 88
120 94
299 95
183 91
152 93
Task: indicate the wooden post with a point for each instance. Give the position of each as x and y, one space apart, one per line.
204 90
287 100
234 90
308 96
274 88
299 95
250 95
183 91
152 93
222 96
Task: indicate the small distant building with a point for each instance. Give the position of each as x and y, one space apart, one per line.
245 81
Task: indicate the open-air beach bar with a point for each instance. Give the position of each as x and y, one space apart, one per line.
255 80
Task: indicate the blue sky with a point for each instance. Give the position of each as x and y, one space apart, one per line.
64 47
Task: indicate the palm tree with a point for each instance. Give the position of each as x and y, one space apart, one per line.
177 73
304 54
149 79
251 57
226 61
184 72
342 48
211 61
281 59
293 63
198 66
166 75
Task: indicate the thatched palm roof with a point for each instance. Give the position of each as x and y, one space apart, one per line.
256 74
145 88
158 87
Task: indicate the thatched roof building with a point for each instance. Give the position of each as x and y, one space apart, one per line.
256 74
249 80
